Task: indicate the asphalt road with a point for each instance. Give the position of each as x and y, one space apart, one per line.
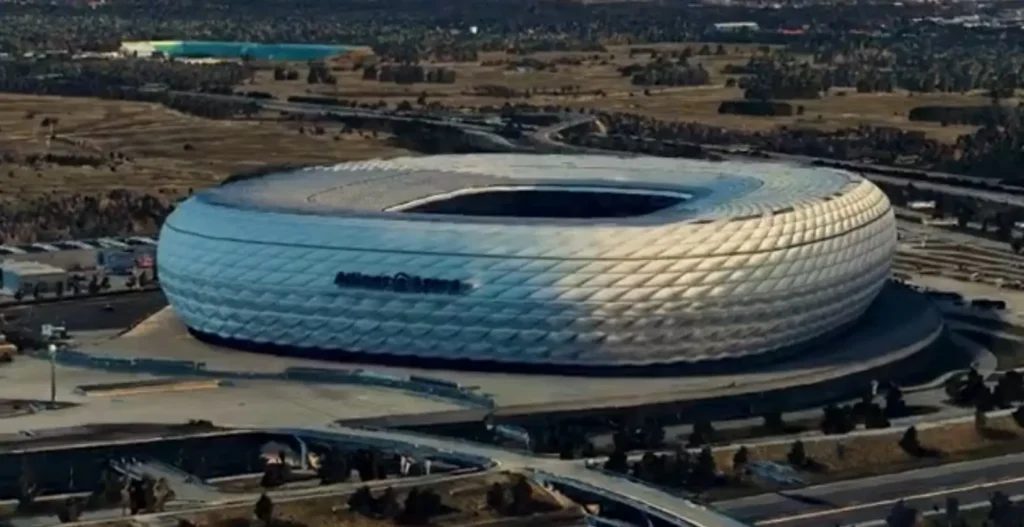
88 313
870 499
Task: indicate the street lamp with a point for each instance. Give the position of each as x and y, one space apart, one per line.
53 374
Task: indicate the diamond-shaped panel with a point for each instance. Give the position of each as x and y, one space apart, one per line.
256 260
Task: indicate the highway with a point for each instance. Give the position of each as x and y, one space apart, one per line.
869 499
941 181
96 313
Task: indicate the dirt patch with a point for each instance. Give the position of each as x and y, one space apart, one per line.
464 502
842 108
827 113
153 149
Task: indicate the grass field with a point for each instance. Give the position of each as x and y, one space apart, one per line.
148 145
599 72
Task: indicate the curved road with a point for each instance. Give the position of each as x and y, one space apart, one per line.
670 508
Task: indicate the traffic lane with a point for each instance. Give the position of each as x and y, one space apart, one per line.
841 495
879 510
88 313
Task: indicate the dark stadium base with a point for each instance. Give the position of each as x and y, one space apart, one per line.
893 300
717 367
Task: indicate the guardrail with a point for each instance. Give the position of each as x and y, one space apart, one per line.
544 476
417 385
86 296
451 456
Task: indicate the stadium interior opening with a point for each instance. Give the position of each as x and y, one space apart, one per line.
547 202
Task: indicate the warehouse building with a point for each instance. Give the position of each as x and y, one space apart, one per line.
27 277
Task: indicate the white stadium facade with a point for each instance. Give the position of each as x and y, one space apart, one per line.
553 262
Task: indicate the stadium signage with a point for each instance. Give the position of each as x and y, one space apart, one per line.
402 283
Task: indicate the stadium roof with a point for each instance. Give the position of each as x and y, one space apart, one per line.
712 189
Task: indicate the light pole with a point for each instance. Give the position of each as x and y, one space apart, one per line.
53 375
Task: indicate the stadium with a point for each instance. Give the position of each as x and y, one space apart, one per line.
529 262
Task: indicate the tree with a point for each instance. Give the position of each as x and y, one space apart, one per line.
797 456
264 509
274 475
895 406
836 420
388 505
617 462
773 422
706 471
874 417
496 497
980 420
1018 416
703 434
158 492
28 487
910 443
334 467
970 390
1000 506
740 460
653 434
362 501
901 516
952 511
368 465
1014 385
420 506
70 511
522 496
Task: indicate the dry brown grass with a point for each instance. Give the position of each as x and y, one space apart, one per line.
467 496
682 104
828 113
153 138
873 455
599 72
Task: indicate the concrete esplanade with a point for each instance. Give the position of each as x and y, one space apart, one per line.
511 262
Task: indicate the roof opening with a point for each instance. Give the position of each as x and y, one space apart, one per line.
548 201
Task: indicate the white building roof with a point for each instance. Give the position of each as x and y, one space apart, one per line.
27 268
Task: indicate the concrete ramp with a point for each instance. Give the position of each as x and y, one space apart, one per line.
186 487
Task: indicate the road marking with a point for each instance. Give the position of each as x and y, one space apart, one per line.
850 508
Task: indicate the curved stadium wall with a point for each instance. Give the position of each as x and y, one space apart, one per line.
735 263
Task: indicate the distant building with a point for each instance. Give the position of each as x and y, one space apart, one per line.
728 27
921 204
75 260
28 277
